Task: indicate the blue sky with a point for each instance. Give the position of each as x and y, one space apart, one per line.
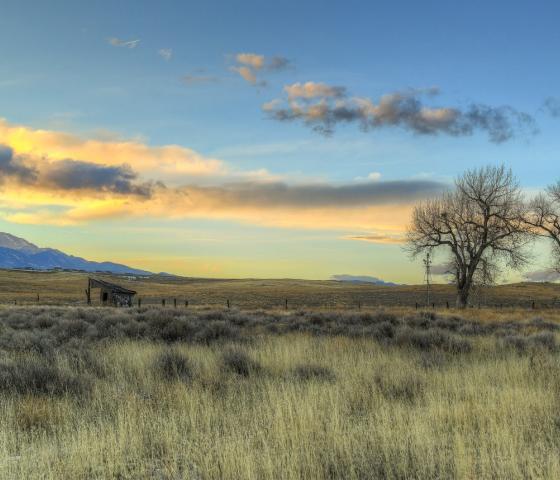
61 73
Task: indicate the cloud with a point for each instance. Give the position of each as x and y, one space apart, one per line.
62 179
313 90
546 275
381 238
552 106
67 174
165 53
250 65
371 177
250 59
170 163
308 196
79 175
10 166
117 42
247 73
191 79
322 107
278 63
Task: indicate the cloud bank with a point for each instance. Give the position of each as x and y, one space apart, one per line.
323 107
57 178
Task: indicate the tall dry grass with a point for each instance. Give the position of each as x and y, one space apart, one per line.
317 396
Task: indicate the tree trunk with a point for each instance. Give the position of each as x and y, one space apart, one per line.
462 297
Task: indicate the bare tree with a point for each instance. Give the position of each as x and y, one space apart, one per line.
544 217
480 224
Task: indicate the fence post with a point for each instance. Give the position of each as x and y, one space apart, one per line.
416 306
139 302
186 303
175 302
228 303
447 304
533 305
163 302
359 305
286 304
433 305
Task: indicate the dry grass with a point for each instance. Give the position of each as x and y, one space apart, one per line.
68 288
276 395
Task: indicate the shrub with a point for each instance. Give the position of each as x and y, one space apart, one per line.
215 331
173 365
432 338
546 340
309 372
383 331
237 361
37 378
515 342
521 344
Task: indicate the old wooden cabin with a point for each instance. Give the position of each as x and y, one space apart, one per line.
110 294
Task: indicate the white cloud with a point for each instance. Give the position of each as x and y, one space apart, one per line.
165 53
117 42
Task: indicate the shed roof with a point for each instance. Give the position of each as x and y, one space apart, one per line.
110 286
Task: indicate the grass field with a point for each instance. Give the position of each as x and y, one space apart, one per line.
204 393
68 288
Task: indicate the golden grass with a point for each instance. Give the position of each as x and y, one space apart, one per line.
389 413
68 288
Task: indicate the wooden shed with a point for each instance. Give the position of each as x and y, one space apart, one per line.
110 293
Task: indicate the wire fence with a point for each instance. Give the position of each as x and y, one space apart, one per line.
299 302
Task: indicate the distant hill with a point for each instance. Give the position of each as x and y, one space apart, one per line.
18 253
362 279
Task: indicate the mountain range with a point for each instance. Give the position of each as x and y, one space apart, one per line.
18 253
362 279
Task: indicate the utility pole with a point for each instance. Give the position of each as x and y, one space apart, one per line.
428 275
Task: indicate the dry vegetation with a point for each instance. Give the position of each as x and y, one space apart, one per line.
68 288
204 393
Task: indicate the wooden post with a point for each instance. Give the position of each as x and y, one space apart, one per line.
88 292
359 305
228 304
139 302
286 304
433 305
447 304
186 303
175 302
163 302
37 298
533 305
416 306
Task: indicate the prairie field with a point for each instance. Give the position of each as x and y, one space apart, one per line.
164 393
67 288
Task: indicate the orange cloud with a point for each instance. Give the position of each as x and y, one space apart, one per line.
166 162
61 179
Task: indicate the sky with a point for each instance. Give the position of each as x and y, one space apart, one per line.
264 139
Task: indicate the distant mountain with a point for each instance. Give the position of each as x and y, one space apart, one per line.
18 253
362 279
